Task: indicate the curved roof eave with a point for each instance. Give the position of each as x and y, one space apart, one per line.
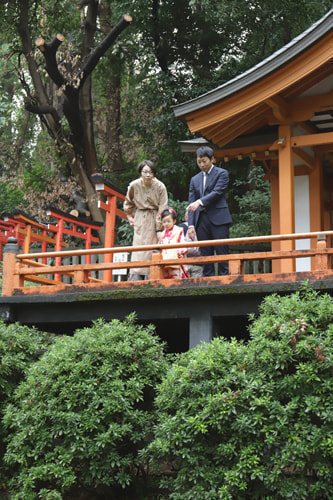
288 52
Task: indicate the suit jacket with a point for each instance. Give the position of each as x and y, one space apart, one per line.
213 197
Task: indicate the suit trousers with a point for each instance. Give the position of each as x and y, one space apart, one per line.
208 231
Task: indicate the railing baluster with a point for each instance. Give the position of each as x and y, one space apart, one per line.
156 271
321 260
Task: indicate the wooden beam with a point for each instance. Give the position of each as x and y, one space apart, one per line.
236 128
301 109
305 158
314 103
312 139
279 107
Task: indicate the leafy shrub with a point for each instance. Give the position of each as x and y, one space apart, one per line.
85 411
255 421
20 346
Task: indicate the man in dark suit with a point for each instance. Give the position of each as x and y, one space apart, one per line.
208 211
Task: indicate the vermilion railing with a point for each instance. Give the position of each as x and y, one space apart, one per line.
20 271
27 231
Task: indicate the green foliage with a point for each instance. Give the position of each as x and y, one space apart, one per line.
255 421
124 234
253 216
10 198
20 346
85 411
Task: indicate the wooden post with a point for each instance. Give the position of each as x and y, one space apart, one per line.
81 276
104 187
235 267
27 239
110 224
44 246
275 217
286 194
10 251
156 271
316 202
57 276
321 261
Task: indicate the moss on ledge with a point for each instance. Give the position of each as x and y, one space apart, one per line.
149 292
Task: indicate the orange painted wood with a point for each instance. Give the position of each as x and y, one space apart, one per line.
235 267
81 276
16 274
110 224
321 260
277 82
316 202
8 273
156 270
157 263
197 282
230 241
312 140
275 216
111 210
286 194
33 231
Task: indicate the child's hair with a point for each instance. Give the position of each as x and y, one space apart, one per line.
169 211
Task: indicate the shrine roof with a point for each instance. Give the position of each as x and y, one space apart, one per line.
278 59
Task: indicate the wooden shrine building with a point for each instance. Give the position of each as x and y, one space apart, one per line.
280 113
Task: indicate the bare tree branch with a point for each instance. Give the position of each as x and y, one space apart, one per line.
39 109
104 46
49 50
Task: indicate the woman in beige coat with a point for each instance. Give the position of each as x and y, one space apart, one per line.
146 198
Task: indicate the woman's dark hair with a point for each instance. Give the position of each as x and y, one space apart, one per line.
149 164
169 211
205 151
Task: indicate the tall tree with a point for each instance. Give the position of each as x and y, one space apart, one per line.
71 73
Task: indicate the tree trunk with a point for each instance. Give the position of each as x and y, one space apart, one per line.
113 152
78 147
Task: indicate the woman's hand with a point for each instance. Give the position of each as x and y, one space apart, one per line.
130 219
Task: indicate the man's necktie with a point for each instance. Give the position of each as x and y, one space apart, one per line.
204 182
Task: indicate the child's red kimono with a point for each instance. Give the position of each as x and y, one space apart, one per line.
174 235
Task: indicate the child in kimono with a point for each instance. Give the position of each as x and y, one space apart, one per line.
172 234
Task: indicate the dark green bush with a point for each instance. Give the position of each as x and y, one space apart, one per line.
256 421
80 419
20 346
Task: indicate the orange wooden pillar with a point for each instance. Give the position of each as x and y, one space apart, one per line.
110 223
27 239
58 247
275 216
9 280
316 203
105 188
286 194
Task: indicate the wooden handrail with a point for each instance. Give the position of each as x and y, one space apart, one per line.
229 241
23 267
